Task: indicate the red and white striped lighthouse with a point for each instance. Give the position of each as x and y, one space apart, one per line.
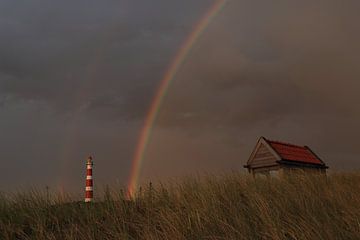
89 180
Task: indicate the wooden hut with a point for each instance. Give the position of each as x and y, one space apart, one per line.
274 158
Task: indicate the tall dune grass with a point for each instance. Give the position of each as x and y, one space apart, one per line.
215 207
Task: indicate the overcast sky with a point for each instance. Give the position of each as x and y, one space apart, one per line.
77 77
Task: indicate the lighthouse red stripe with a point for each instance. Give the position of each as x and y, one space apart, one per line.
88 194
89 183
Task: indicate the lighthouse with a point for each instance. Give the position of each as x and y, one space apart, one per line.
89 180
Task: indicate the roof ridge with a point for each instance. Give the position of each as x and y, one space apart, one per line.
285 143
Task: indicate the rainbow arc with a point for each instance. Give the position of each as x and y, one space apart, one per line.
165 83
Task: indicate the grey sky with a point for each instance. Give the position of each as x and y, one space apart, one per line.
77 77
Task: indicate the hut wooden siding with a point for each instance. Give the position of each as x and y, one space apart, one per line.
270 156
263 157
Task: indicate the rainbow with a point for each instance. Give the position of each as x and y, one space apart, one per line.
170 74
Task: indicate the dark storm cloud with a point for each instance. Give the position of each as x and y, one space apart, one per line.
285 70
78 77
293 60
49 50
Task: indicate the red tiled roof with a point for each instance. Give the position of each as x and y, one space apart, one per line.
296 153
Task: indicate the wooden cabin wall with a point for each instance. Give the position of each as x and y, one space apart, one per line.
267 171
300 170
283 170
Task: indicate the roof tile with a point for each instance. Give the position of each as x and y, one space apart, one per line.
296 153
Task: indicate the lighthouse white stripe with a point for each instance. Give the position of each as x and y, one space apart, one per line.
88 166
88 177
88 188
88 199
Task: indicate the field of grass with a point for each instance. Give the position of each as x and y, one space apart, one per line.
232 206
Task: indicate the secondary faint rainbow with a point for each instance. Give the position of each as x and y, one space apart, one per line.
170 74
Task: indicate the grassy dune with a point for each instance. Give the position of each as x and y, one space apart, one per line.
222 207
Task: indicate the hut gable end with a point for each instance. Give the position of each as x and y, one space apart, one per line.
263 155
